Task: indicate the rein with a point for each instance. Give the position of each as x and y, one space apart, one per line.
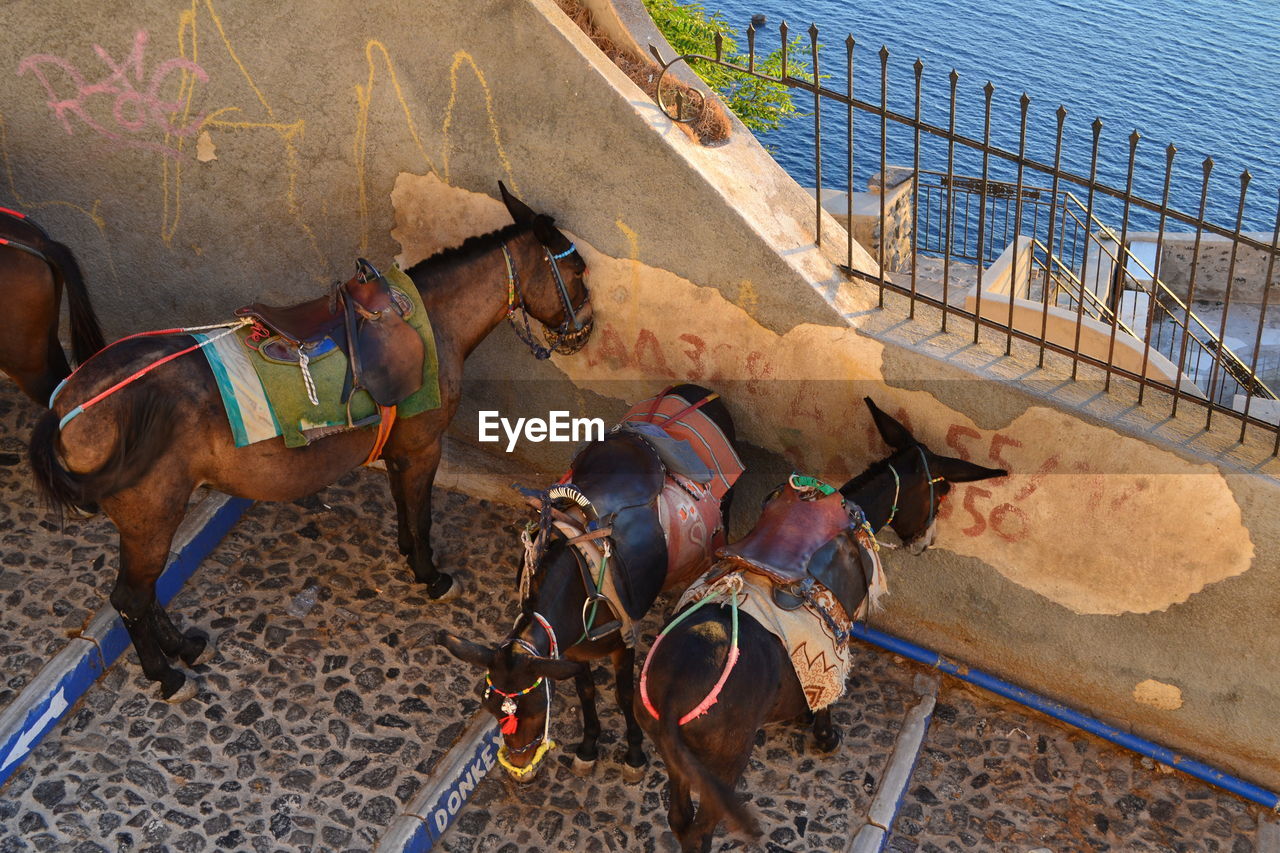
567 338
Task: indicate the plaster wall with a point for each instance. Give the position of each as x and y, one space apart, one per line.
253 153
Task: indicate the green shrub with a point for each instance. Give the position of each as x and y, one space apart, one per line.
759 104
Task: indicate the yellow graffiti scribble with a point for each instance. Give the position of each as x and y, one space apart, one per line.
458 58
288 132
747 297
364 97
633 240
21 201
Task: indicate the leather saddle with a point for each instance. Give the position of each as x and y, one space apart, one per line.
798 543
366 320
622 477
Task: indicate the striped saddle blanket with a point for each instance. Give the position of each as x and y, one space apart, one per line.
266 396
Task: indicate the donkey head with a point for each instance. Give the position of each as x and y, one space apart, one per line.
557 295
517 691
919 481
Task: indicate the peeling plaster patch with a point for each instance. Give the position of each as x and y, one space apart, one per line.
431 216
1092 520
1089 518
204 148
1157 694
1062 525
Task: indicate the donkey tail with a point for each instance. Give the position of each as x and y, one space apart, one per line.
143 431
711 789
86 333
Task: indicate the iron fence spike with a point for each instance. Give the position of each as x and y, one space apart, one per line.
919 67
1025 101
989 89
955 76
1245 177
1169 152
813 31
1062 114
884 53
849 42
1133 138
1208 166
1097 126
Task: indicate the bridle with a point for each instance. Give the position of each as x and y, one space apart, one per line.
897 490
572 333
509 723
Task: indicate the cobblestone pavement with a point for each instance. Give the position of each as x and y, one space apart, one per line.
327 705
52 578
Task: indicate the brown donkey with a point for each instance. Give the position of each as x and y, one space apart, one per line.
716 674
34 269
142 450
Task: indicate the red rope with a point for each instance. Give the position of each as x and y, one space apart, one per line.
143 372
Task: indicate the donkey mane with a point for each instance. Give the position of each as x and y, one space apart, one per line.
870 473
470 248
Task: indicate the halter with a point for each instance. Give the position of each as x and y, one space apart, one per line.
567 338
542 743
897 488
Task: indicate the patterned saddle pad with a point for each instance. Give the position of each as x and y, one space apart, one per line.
265 394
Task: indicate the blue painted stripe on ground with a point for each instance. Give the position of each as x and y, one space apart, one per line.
81 669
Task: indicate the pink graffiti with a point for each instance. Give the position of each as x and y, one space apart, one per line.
137 108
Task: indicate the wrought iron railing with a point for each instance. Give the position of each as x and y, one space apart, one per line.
1063 217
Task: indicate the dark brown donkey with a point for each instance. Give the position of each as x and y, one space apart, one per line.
656 515
34 269
142 450
704 736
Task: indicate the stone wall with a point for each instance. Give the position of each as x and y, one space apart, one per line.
1178 257
899 216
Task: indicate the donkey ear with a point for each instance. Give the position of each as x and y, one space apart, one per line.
556 669
520 212
894 434
466 651
959 471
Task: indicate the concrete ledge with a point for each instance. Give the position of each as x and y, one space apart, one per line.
897 776
71 672
454 777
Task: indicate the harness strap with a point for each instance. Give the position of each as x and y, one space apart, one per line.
712 697
689 409
384 432
80 409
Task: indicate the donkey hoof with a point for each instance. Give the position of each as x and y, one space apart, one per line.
633 775
827 741
200 650
582 767
442 588
178 689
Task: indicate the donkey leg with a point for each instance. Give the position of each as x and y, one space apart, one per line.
584 759
826 736
624 669
147 521
134 602
680 810
173 642
417 473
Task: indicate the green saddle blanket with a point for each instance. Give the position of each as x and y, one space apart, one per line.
265 397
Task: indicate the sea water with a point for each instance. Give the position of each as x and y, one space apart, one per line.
1202 74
